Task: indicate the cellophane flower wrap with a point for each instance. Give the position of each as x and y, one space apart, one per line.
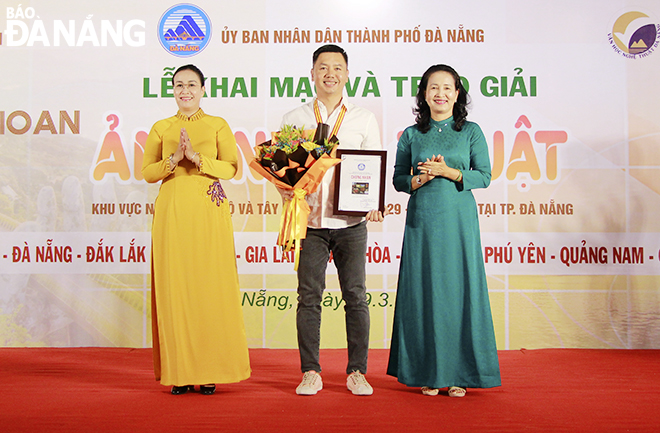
296 159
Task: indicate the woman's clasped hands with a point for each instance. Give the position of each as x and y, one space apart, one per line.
434 166
185 150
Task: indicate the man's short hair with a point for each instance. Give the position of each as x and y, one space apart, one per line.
329 49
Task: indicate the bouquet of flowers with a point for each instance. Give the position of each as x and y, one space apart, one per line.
296 159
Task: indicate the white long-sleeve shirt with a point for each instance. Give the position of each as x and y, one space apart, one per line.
359 130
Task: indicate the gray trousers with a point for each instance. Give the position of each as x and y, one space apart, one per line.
349 248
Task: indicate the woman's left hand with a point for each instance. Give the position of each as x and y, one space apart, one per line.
436 166
185 140
190 152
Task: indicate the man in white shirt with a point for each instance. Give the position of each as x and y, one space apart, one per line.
345 237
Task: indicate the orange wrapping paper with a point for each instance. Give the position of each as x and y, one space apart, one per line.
293 223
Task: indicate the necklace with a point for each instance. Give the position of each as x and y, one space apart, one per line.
442 126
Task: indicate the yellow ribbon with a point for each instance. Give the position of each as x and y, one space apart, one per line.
293 224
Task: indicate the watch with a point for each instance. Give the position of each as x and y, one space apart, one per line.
419 180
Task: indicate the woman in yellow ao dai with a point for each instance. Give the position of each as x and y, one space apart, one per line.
197 321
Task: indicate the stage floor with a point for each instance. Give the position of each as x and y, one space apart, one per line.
113 389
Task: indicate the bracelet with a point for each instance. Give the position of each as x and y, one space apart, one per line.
200 167
419 180
460 176
172 164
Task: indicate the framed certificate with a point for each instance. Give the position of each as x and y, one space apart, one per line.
360 181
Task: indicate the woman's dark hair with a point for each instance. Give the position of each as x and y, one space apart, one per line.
193 68
423 111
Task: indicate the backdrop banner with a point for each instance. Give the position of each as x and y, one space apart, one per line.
566 93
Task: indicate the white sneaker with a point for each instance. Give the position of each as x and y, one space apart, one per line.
358 385
311 383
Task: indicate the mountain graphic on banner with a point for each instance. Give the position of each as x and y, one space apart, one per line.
186 30
639 44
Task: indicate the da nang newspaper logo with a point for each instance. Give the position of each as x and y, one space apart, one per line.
184 30
635 35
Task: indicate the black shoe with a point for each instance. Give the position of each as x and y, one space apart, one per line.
207 389
178 390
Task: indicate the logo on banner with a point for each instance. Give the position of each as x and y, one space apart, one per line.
184 30
635 35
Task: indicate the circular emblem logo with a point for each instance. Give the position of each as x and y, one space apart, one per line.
184 30
634 34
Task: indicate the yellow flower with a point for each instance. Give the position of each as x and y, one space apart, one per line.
308 145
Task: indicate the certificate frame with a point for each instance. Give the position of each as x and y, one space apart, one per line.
360 189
